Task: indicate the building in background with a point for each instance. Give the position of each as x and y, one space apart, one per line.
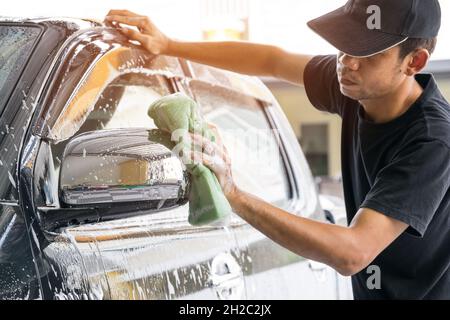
225 19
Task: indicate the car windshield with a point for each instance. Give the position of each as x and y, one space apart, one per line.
16 44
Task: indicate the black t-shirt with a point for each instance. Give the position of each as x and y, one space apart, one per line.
401 169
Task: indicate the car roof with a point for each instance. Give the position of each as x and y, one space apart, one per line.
67 22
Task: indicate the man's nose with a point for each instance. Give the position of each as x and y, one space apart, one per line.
349 62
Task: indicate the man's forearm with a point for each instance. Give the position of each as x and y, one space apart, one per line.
238 56
326 243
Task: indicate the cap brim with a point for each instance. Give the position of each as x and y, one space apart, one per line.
351 36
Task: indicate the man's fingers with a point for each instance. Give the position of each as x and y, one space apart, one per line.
224 151
123 13
199 157
218 136
212 126
214 129
108 23
215 164
132 21
133 35
115 12
212 149
205 144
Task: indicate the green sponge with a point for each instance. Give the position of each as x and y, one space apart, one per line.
207 203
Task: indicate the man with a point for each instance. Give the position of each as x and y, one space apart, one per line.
395 141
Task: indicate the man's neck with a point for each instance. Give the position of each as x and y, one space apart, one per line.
392 106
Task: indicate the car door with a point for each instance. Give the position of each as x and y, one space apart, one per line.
153 255
265 164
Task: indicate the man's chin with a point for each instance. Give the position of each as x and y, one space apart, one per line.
352 94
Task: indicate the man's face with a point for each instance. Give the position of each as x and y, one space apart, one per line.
372 77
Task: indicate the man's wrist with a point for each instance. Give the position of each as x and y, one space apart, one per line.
232 195
171 47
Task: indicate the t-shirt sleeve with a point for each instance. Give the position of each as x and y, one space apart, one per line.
413 185
322 85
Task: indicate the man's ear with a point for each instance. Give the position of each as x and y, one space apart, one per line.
417 61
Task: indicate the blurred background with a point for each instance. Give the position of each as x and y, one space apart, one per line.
277 22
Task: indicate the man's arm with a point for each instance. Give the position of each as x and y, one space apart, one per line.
347 250
244 57
238 56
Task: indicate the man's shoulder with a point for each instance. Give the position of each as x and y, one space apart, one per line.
434 121
431 117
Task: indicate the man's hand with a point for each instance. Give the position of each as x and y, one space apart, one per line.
215 156
149 36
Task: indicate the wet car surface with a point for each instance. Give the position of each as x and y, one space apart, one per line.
93 206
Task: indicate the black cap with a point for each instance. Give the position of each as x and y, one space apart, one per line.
363 28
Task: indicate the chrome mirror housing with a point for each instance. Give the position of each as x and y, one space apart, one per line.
122 166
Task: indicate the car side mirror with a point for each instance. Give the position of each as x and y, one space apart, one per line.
120 166
119 173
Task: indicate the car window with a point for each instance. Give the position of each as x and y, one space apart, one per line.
16 44
124 104
253 146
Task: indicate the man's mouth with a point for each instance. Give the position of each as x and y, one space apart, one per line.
347 82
